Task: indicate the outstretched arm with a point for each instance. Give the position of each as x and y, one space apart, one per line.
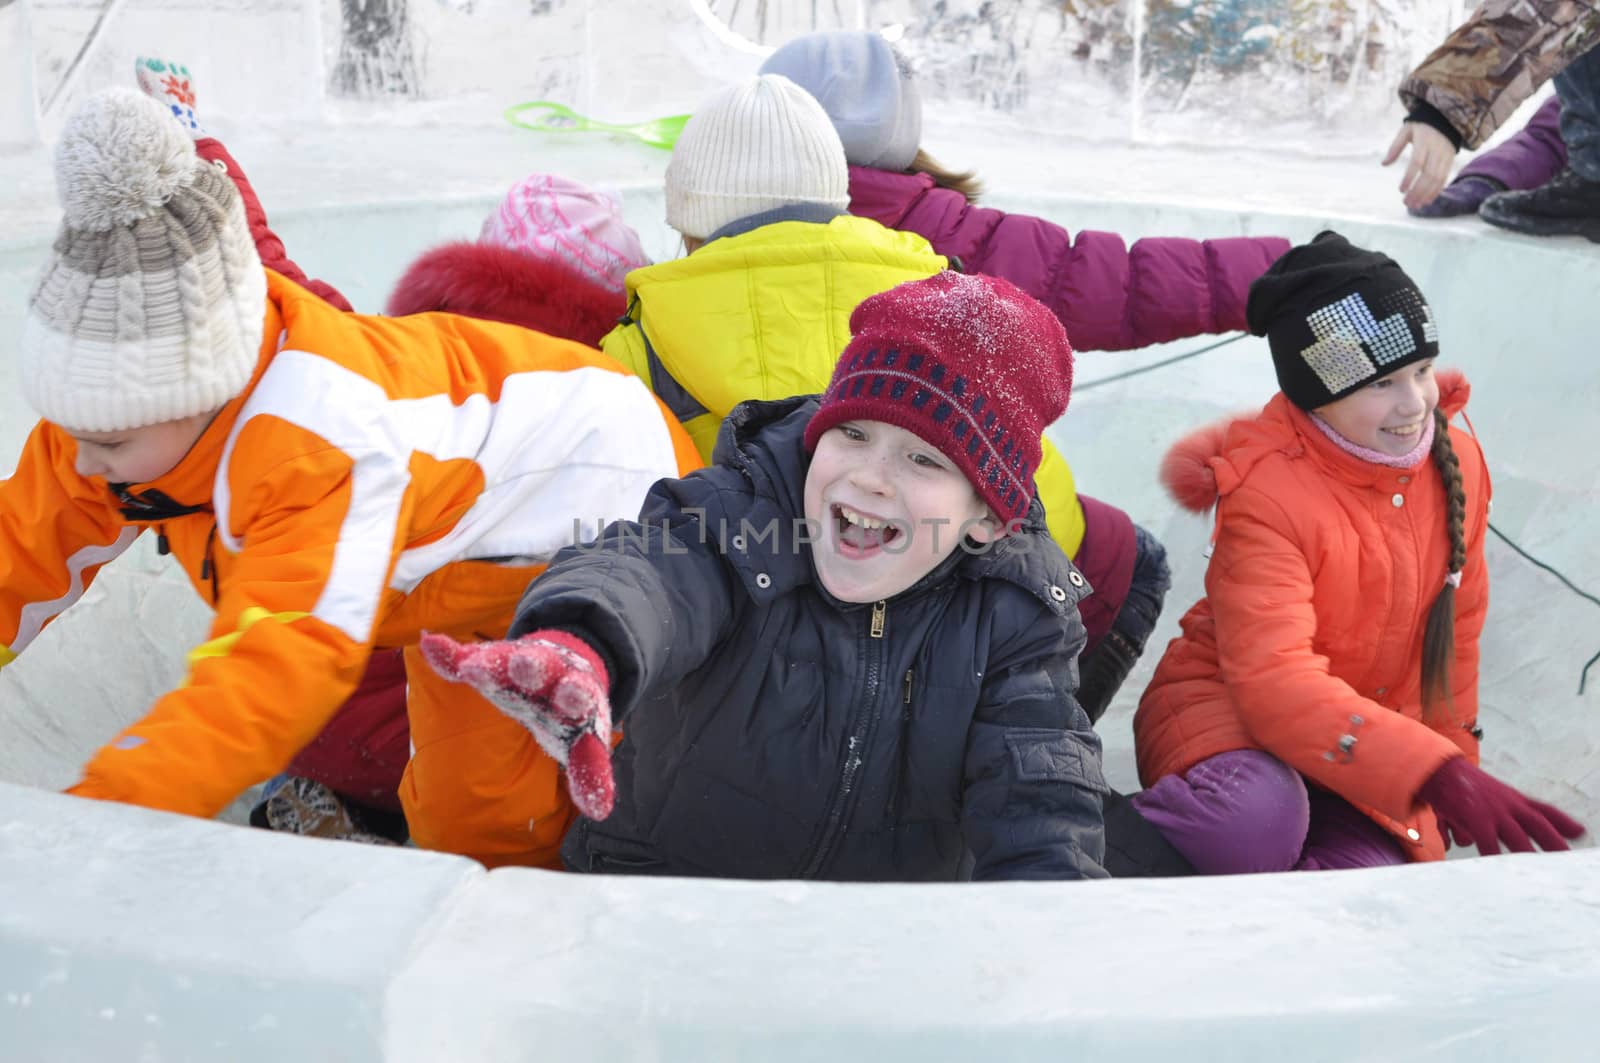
273 254
1109 296
172 85
1495 60
609 623
654 596
289 643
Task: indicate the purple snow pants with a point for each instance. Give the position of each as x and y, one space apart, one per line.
1246 811
1529 158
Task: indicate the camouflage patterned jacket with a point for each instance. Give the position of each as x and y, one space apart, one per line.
1497 59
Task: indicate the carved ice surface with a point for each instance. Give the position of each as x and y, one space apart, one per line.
126 934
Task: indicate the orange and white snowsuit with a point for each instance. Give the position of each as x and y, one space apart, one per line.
378 477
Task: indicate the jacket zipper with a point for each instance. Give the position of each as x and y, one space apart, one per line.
905 738
862 725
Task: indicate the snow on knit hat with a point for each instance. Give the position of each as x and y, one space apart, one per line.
152 304
548 216
754 146
866 87
1338 317
972 364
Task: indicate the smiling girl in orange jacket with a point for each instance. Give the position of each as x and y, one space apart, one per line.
330 482
1319 709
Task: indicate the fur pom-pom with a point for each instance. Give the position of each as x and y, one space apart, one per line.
1186 470
120 158
1453 388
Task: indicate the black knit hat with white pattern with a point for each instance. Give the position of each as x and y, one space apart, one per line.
1338 317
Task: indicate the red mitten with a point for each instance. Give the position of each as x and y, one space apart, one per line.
556 686
1476 808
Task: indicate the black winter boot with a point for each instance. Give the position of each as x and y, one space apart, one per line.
1565 205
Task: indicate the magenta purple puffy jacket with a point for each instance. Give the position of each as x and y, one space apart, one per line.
1110 297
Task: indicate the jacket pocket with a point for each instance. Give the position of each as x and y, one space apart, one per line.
1040 754
606 854
615 864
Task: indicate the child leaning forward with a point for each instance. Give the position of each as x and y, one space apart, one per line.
846 651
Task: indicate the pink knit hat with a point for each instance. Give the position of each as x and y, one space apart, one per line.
548 216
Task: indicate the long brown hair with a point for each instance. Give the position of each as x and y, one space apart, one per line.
966 181
1439 637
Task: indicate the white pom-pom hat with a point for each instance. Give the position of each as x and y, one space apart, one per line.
152 304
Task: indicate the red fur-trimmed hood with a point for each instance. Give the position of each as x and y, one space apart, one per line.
499 284
1213 459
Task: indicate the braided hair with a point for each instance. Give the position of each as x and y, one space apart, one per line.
1439 638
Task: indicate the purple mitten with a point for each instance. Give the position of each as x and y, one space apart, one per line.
1462 196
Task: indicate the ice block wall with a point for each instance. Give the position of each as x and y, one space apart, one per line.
1306 75
131 935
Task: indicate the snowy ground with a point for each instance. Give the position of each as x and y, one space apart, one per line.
192 941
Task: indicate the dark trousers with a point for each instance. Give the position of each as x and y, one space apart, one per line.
1579 88
1102 670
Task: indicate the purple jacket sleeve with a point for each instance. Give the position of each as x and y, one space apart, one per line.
1109 297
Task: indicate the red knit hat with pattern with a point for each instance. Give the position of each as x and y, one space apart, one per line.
972 364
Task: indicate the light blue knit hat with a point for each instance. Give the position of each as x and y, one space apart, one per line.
866 88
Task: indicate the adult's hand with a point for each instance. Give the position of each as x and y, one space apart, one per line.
1432 155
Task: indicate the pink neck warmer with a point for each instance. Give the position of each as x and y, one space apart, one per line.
1411 460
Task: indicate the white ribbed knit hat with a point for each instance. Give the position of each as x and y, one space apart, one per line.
754 146
152 305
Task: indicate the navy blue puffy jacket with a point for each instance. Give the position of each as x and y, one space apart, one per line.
770 734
